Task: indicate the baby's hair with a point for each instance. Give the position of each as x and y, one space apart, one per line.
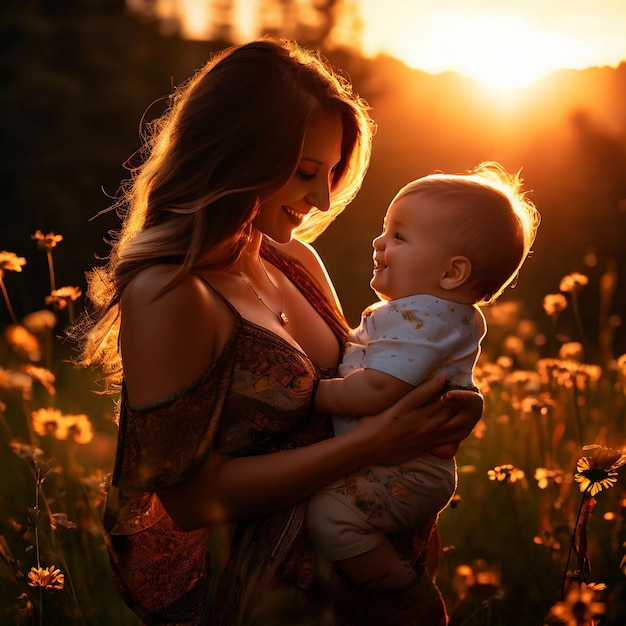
496 228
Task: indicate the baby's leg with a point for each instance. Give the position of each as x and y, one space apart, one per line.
379 569
340 523
396 594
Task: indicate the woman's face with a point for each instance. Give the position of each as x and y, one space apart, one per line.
308 190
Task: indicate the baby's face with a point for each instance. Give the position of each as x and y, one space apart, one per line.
411 255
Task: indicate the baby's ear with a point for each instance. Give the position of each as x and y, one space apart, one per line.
457 273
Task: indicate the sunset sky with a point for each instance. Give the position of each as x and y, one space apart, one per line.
504 43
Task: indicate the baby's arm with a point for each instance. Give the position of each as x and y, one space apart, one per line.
361 392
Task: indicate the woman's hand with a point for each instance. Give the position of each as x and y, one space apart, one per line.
421 421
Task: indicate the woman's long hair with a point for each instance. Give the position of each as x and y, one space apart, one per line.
231 137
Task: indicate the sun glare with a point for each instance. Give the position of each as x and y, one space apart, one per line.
502 49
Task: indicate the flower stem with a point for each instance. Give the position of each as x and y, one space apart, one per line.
37 488
572 543
7 301
51 271
579 323
577 410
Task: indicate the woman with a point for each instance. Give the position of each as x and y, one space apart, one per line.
225 321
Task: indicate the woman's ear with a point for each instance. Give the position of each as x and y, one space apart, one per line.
457 273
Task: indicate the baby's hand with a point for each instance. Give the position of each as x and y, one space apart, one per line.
448 451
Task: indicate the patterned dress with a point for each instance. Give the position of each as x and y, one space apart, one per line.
256 399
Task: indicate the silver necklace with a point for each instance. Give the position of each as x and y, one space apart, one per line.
281 315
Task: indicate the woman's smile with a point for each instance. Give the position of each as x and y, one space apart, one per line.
295 214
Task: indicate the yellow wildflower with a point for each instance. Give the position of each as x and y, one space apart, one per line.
53 422
519 383
10 262
505 472
588 372
545 367
504 362
79 428
554 303
571 350
566 371
23 341
62 296
524 378
578 607
46 242
488 373
545 476
598 470
49 422
538 405
48 577
573 282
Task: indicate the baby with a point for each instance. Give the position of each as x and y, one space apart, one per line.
449 243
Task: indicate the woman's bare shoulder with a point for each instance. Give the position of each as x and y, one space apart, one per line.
171 332
310 259
159 291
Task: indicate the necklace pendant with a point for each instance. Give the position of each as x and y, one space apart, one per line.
283 318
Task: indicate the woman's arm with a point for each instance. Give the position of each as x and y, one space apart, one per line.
238 488
361 392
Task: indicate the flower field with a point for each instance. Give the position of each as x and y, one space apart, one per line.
535 535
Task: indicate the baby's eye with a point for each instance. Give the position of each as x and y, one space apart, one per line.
398 236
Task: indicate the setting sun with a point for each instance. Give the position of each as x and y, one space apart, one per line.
499 50
503 47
